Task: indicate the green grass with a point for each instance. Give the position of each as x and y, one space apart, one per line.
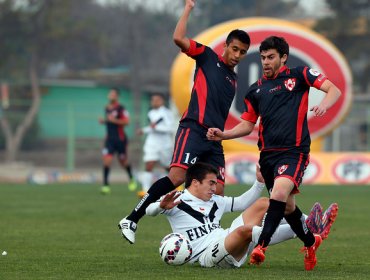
70 232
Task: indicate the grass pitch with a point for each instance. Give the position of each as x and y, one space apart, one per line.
70 232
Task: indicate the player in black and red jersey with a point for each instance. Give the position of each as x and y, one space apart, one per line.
212 94
116 118
280 100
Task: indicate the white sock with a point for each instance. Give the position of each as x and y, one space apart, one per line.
146 180
282 233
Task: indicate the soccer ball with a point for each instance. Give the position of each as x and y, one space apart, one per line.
175 249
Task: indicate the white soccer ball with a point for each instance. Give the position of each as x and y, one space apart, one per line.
175 249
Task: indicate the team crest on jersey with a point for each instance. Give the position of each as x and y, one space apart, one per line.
282 169
314 72
290 84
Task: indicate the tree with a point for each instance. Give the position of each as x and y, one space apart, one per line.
32 35
12 17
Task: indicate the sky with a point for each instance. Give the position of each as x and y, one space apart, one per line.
314 8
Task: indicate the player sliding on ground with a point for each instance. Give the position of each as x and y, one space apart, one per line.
196 213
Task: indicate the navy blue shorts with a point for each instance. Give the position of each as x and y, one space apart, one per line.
286 164
112 147
192 145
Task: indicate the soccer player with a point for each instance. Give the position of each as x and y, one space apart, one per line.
116 118
280 100
212 94
196 213
158 144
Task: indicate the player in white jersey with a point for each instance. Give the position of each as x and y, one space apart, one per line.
158 144
196 213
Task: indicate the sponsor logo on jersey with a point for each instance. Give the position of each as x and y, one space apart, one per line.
290 84
231 81
201 231
282 169
275 89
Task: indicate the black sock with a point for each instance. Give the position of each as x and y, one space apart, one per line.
159 188
298 225
274 214
106 170
129 172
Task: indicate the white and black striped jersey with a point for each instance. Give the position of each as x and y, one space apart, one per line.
199 220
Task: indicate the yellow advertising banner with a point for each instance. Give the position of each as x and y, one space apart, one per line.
324 168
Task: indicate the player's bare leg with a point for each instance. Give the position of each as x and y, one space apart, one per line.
237 242
220 189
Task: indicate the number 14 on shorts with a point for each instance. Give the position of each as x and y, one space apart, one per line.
187 159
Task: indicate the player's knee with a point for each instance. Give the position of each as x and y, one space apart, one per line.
220 189
263 201
177 176
289 208
244 232
279 194
176 180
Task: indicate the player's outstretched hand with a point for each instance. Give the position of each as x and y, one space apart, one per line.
168 201
190 3
318 111
214 134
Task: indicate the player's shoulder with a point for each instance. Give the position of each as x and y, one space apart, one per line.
298 70
219 198
207 49
253 88
165 109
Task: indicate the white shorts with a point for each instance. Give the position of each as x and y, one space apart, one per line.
161 152
216 255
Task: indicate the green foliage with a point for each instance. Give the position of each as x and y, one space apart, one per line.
70 232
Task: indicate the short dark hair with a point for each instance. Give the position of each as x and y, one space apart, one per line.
277 43
240 35
198 171
161 95
115 89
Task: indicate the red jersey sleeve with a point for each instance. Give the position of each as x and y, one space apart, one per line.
195 49
313 77
249 113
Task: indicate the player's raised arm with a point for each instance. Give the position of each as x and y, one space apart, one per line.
241 129
332 95
245 200
179 35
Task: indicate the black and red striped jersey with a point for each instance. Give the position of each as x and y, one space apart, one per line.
213 90
281 104
115 131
